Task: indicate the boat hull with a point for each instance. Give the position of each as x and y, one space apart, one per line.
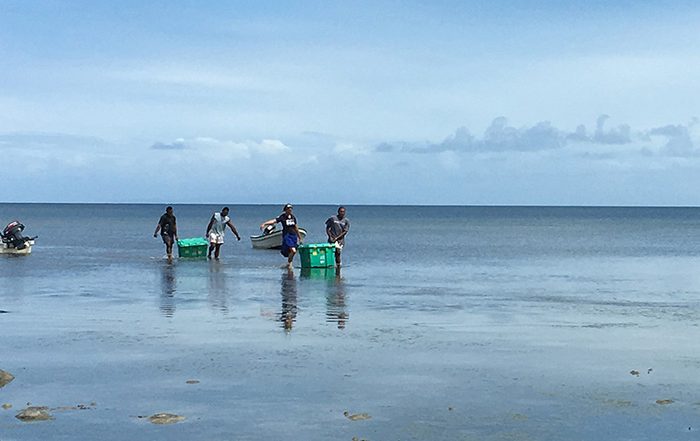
5 249
271 241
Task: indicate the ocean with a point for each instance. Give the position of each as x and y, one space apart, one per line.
445 323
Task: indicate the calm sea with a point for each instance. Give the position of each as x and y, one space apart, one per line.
445 323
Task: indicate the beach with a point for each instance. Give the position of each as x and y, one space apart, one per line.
445 323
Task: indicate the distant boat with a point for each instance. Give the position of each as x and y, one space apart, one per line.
6 248
13 242
271 239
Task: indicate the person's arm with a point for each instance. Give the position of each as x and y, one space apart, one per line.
175 230
266 223
340 236
344 232
331 239
299 238
211 222
155 233
233 228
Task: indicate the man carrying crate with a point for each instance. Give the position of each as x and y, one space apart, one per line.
216 229
168 231
291 236
337 228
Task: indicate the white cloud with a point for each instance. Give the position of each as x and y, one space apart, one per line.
351 149
178 144
270 146
217 150
679 140
672 140
498 166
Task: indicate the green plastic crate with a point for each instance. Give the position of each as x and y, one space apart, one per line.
317 255
319 273
195 247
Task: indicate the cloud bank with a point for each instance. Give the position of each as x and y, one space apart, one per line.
499 136
607 164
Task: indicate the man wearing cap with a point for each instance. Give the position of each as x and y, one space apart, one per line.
216 229
291 237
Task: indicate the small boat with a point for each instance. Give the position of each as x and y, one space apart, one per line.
8 249
271 238
13 242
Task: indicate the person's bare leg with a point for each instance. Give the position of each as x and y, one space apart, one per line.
211 248
169 248
337 258
216 252
292 252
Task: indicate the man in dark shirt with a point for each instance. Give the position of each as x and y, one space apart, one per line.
291 237
168 231
336 229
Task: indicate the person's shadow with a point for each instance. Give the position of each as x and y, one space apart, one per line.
168 287
288 290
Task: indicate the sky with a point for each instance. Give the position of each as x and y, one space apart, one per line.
351 102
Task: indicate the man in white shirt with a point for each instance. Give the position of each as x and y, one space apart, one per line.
216 229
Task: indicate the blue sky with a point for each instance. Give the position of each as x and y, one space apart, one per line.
503 102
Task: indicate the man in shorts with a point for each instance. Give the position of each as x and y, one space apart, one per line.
291 237
168 231
337 228
216 229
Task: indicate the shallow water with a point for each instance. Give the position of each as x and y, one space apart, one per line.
445 323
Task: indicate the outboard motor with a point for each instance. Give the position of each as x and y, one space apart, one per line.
269 230
12 235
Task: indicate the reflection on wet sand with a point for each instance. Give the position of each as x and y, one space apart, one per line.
216 295
334 284
288 289
336 309
168 286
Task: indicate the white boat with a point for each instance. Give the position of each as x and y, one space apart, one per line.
6 248
271 240
13 242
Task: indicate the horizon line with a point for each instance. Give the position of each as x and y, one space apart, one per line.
359 204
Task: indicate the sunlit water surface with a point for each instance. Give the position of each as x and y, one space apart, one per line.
446 323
